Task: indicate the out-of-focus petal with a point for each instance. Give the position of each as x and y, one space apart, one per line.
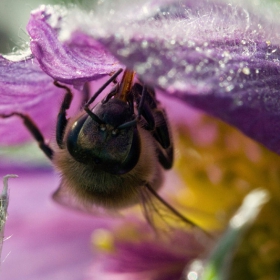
46 241
77 60
137 252
220 58
22 83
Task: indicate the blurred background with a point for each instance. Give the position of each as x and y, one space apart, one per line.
14 16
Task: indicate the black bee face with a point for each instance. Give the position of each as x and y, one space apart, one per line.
100 141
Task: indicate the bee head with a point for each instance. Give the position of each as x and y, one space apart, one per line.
102 139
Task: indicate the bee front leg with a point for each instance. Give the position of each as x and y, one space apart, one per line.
35 132
61 117
165 157
163 137
157 122
155 116
85 95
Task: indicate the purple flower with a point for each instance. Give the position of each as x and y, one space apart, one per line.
220 58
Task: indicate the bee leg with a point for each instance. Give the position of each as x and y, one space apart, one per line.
155 117
35 132
86 95
165 156
161 133
150 97
61 117
147 113
163 137
157 120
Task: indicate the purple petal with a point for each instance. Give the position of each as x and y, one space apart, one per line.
20 82
25 88
46 241
77 60
215 57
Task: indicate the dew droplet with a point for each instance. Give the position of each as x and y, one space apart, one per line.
246 70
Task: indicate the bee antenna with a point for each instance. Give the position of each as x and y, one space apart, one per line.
102 88
93 116
91 100
141 103
128 124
